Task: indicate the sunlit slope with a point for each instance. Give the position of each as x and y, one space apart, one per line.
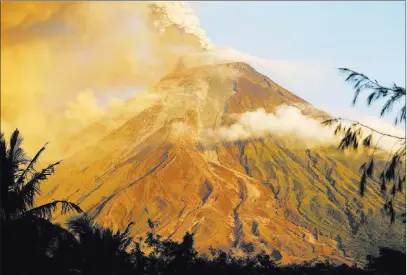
296 202
318 189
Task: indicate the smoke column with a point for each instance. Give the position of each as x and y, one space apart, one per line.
64 63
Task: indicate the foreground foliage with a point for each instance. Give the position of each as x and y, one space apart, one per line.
28 238
20 183
90 249
392 177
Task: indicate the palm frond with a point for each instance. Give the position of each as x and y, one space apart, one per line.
45 211
10 163
16 154
19 156
29 190
15 141
4 169
30 165
14 158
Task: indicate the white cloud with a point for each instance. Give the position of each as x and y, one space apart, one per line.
290 121
286 120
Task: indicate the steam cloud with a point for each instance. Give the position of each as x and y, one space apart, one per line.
60 58
289 121
286 120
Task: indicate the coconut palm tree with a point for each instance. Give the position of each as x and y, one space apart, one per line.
20 182
30 242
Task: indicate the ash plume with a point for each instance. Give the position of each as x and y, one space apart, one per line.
65 63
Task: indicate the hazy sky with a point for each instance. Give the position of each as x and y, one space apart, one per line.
311 40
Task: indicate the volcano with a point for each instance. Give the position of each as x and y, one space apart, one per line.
272 192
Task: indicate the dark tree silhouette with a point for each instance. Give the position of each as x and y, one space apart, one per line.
393 172
36 246
388 262
30 243
20 182
102 250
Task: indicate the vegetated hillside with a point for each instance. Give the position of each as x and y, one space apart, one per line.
274 192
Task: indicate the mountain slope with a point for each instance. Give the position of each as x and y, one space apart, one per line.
296 202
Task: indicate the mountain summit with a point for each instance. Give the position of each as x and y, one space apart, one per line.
269 192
